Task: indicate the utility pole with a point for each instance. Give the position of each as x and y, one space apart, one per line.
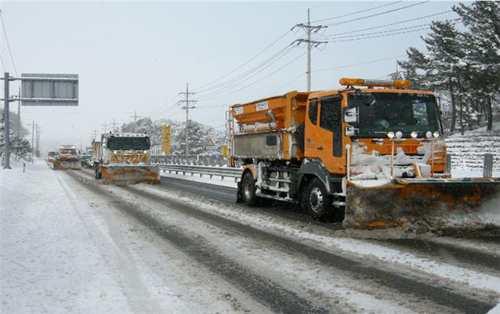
6 120
19 119
32 141
309 29
186 107
135 116
114 125
94 132
38 132
105 126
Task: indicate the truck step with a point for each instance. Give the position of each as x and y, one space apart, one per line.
279 180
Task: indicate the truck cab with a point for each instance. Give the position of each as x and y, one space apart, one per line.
369 121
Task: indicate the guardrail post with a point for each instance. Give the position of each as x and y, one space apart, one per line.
448 163
488 166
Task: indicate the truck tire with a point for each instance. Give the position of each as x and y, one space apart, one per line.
318 202
248 190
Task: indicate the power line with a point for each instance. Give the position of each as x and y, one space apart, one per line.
381 32
379 36
3 64
202 87
259 68
357 64
357 12
390 24
377 14
261 79
135 116
161 107
289 82
248 75
232 83
8 44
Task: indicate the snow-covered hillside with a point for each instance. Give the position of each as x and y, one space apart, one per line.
468 150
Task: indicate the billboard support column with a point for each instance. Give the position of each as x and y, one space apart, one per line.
6 120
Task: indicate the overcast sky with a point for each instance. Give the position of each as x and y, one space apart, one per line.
139 56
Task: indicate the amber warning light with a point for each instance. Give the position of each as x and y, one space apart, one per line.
368 82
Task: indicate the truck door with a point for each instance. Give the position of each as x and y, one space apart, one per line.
324 133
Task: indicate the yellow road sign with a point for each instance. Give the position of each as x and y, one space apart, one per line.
167 140
225 151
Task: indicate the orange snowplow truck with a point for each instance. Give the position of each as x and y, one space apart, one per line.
371 156
66 158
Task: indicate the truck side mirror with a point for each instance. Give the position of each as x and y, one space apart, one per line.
350 131
351 115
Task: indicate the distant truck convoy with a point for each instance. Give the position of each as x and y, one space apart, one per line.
50 157
124 158
371 156
66 158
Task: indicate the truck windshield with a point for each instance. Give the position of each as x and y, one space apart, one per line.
128 143
405 112
67 152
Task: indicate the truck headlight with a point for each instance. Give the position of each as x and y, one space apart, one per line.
145 152
414 134
399 134
115 152
435 134
390 135
428 134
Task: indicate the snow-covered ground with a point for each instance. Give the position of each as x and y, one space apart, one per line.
69 244
64 250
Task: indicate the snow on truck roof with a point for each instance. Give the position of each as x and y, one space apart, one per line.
127 135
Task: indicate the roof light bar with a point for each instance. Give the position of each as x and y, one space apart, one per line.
369 82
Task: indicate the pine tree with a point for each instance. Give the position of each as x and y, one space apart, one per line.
463 65
482 40
444 44
19 146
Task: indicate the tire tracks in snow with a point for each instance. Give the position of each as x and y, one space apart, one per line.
487 260
391 279
261 289
117 254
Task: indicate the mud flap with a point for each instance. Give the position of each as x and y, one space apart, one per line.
425 204
130 174
239 193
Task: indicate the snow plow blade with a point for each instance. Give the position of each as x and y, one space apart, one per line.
63 165
425 204
131 174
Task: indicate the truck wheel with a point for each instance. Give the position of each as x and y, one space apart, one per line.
318 201
248 190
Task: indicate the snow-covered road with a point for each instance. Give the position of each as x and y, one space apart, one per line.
69 244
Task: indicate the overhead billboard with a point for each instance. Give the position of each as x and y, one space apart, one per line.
49 89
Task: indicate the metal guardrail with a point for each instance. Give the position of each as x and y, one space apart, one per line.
222 172
199 160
